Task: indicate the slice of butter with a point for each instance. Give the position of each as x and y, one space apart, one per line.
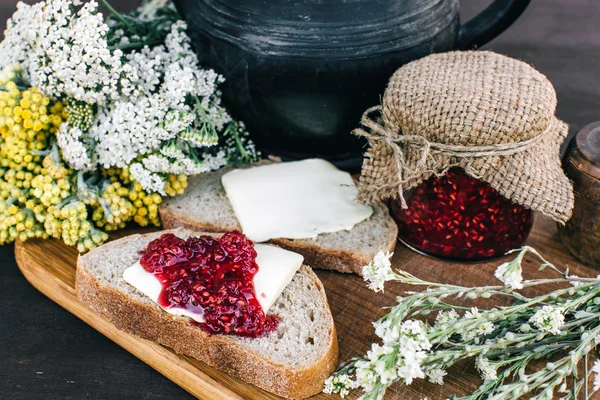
276 268
293 200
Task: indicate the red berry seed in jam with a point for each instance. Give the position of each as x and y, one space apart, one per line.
461 218
213 277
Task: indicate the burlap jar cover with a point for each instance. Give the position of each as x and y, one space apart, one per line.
489 114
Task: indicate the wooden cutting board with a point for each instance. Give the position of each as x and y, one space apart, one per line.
49 265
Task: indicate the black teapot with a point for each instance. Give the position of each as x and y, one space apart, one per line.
300 73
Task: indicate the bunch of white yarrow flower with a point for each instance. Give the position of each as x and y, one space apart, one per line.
136 96
157 131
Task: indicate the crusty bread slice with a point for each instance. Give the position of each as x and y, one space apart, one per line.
205 206
292 362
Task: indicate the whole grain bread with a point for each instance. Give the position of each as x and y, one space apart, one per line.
292 362
205 206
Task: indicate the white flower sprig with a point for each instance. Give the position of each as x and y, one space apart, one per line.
501 341
548 319
378 271
510 273
596 371
341 384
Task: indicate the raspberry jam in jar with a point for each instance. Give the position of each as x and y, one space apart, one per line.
212 277
457 217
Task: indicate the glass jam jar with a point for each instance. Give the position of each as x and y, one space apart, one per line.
457 217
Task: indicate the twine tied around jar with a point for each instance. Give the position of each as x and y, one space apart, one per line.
401 145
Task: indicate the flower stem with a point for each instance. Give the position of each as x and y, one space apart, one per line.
118 16
135 45
585 376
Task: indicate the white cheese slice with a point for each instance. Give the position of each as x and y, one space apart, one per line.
148 284
294 200
276 268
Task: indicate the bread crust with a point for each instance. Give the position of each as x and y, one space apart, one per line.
314 254
218 351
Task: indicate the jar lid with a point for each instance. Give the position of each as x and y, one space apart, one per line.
586 150
469 98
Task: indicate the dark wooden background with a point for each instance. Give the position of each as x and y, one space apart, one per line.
46 353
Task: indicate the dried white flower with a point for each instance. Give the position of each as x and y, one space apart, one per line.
414 344
378 271
596 370
488 371
15 48
436 375
388 332
446 317
485 328
149 8
151 182
481 329
127 129
409 365
407 348
214 161
365 375
476 330
510 273
473 314
548 319
341 384
414 331
73 151
575 283
69 55
382 365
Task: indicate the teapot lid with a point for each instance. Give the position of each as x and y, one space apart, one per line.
321 29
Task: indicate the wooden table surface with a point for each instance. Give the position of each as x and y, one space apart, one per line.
47 353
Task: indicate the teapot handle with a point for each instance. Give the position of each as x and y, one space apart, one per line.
490 23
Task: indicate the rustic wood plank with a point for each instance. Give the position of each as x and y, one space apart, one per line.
50 266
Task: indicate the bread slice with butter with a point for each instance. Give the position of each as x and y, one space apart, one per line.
205 206
292 362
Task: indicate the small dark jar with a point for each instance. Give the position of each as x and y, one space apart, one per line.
457 217
581 233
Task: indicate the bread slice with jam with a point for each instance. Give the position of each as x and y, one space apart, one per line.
292 361
205 206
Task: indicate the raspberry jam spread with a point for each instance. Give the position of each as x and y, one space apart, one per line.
458 217
213 277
